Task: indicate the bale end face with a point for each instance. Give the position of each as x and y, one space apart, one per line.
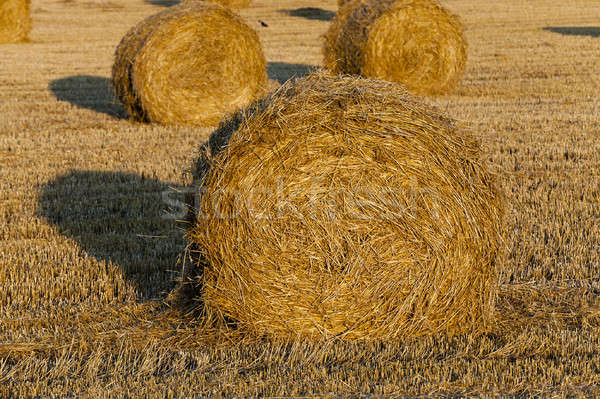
342 206
15 21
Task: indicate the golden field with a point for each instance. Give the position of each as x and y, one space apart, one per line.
89 249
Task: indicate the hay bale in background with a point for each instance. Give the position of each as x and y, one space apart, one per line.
189 64
233 3
226 3
15 20
416 43
343 206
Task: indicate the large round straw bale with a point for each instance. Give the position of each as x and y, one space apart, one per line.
189 64
15 20
343 206
416 43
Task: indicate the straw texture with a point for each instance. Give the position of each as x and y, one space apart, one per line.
416 43
190 64
342 206
15 20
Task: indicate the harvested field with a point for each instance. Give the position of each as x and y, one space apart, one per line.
89 249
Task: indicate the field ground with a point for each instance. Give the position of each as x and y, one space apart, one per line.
87 253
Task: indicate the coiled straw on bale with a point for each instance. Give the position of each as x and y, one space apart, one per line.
15 20
342 206
416 43
189 64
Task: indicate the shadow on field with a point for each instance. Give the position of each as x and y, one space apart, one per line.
592 31
122 218
89 92
318 14
164 3
282 71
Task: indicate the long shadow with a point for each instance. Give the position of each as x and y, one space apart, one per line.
164 3
89 92
592 31
318 14
122 218
282 71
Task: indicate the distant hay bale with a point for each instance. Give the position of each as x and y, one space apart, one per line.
416 43
226 3
233 3
189 64
342 206
15 20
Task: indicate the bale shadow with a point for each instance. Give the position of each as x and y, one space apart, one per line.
163 3
592 31
122 218
282 71
313 13
89 92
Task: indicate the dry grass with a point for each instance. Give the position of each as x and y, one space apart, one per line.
416 43
86 257
189 64
361 214
15 20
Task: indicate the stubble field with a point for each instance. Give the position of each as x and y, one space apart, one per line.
89 248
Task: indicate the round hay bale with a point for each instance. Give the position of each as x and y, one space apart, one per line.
416 43
233 3
189 64
342 206
15 20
